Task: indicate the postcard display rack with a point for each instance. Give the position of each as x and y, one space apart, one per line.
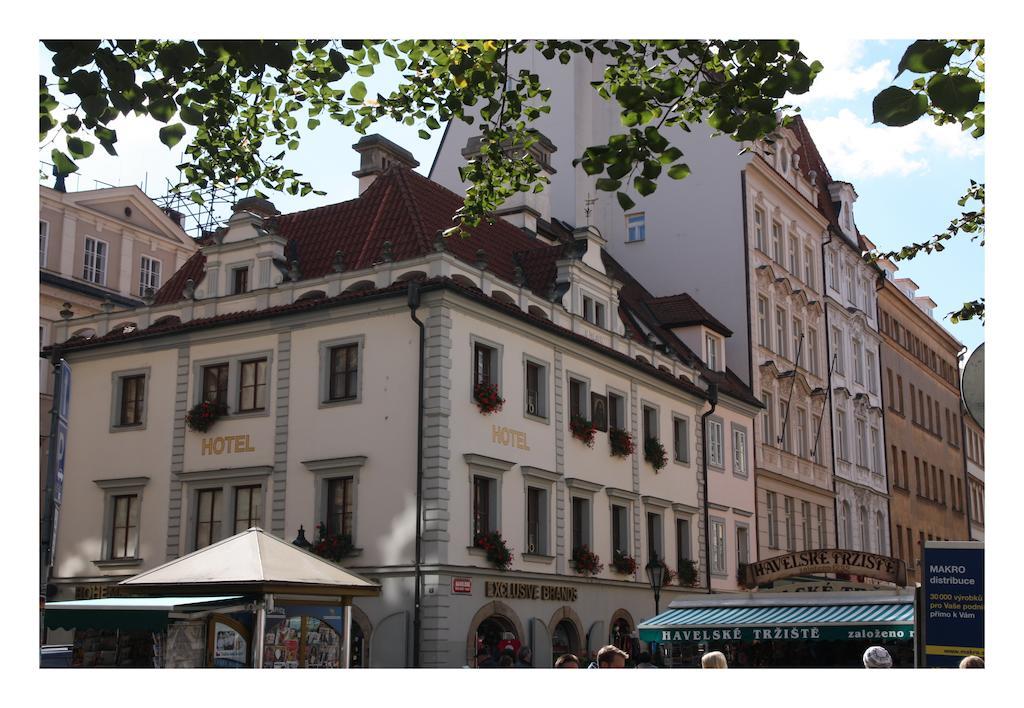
301 641
117 649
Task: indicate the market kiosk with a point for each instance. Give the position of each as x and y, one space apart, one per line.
786 630
251 600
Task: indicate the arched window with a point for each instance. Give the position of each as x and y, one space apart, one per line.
880 533
865 533
846 524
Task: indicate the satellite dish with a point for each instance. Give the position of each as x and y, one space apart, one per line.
973 385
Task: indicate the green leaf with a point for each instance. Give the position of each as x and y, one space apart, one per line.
670 155
191 116
423 134
171 135
365 70
954 94
80 148
608 185
62 162
312 123
338 61
358 91
925 56
644 186
624 201
897 106
162 109
679 171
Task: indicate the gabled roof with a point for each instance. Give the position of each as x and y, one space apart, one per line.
682 310
253 558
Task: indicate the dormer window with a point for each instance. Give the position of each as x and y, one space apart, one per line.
636 227
239 280
784 160
593 311
711 354
846 217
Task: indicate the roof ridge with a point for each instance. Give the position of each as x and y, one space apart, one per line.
378 214
419 230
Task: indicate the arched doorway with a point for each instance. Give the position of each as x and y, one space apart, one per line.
494 633
621 632
565 639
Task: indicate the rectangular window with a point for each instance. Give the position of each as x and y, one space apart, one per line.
805 524
768 421
931 422
780 331
578 396
252 385
876 451
650 420
718 547
654 542
484 498
851 286
711 352
739 452
837 350
682 541
790 523
208 516
892 390
862 443
801 432
149 275
833 280
913 404
636 227
858 361
783 424
133 391
812 350
715 444
681 439
841 450
809 267
777 242
620 529
910 547
899 542
536 390
580 523
535 513
894 466
763 328
815 443
773 528
344 373
44 242
616 411
906 469
239 280
485 364
794 257
872 373
124 538
798 335
759 230
340 506
215 385
247 507
822 527
917 475
95 269
593 311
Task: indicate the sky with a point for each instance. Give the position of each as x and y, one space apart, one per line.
908 179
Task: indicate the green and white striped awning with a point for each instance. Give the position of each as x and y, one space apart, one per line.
788 618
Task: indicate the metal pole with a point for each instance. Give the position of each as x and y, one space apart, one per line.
261 627
347 627
46 535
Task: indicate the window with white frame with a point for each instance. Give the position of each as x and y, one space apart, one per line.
794 256
718 547
872 372
485 364
876 451
805 524
841 450
149 275
833 277
815 443
880 534
44 241
536 384
716 456
772 512
616 411
681 439
858 361
822 527
780 331
777 242
790 511
636 227
763 327
536 520
809 266
95 267
865 533
801 432
655 544
798 334
759 230
742 543
837 350
862 442
768 419
851 285
812 350
650 422
593 311
783 424
739 451
579 398
846 524
485 505
711 345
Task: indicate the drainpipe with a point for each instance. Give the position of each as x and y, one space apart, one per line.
713 400
414 303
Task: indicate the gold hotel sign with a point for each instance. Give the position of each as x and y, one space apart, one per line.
826 560
226 444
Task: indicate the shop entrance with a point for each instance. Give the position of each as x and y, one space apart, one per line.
565 639
621 635
494 634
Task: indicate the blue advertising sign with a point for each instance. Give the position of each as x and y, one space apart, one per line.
64 391
954 602
58 483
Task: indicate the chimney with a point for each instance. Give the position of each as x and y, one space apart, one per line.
523 209
376 154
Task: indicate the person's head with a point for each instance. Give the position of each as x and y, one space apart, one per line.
506 661
643 657
714 660
525 655
972 662
567 661
611 657
877 658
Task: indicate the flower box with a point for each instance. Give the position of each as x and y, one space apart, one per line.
487 398
332 547
498 552
586 562
654 452
624 564
582 429
621 442
203 415
687 573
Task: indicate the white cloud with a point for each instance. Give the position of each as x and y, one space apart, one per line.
854 148
843 77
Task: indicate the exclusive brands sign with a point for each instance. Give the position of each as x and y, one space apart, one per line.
529 591
826 560
886 632
954 602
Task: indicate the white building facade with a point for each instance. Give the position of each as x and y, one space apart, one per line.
301 328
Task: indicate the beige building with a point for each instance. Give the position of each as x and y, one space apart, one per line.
928 485
974 450
301 330
98 251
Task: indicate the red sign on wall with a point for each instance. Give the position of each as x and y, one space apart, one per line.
462 586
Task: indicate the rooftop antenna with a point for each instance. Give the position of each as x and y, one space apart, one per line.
588 202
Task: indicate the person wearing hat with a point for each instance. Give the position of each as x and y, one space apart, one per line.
877 658
972 662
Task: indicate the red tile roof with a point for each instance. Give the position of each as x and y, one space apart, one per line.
682 310
810 159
